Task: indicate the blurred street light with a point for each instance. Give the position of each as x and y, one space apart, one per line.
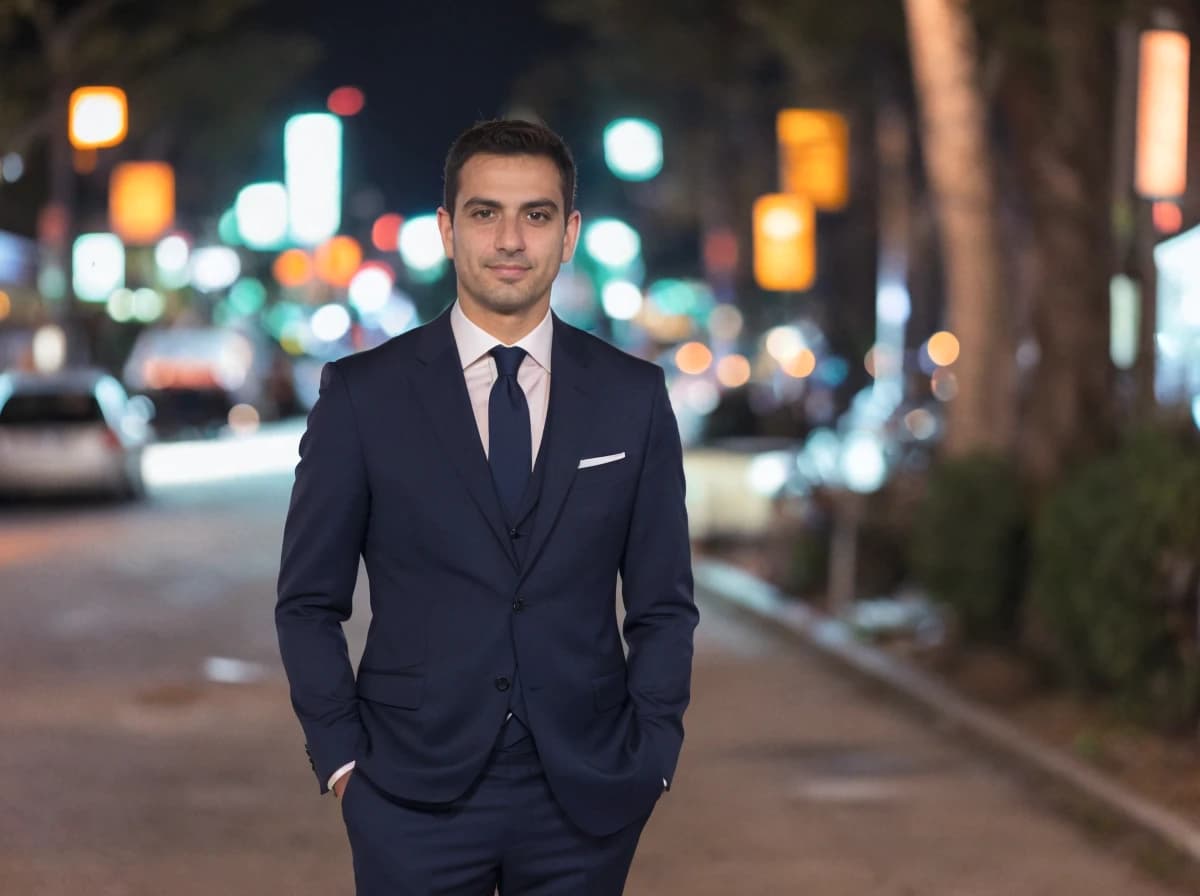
330 323
612 243
247 296
733 371
385 232
120 305
148 305
371 287
171 257
98 266
693 358
1162 115
633 149
312 154
421 244
861 470
943 348
784 242
261 211
293 268
814 152
346 101
12 166
141 201
214 268
97 117
801 365
1124 320
337 260
622 299
49 348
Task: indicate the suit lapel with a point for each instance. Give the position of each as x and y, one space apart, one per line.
442 392
568 426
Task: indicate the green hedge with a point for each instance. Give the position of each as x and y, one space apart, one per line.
1115 577
968 544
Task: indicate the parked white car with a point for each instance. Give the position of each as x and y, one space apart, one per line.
71 431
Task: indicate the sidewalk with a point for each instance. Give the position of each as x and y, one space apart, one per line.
819 786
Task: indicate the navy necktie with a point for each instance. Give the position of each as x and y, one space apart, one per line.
510 450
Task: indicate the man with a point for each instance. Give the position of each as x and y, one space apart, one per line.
495 469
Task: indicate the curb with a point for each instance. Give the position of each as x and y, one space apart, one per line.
835 640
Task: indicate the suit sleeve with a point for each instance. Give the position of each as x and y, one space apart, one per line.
656 586
322 542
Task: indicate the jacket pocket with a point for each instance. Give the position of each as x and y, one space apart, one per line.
401 690
609 690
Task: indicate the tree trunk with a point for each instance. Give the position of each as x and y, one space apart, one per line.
1068 412
961 172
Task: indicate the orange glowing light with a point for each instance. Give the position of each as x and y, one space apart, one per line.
141 201
337 260
1162 115
943 348
693 358
293 268
733 371
801 364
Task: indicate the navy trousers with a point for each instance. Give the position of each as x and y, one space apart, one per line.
507 833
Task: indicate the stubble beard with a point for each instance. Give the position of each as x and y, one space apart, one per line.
512 301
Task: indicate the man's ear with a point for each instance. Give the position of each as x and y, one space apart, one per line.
571 235
446 229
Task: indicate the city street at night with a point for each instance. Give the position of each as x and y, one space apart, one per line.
148 746
848 353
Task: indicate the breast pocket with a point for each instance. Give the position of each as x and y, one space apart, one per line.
603 476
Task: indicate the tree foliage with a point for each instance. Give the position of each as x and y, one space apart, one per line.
199 77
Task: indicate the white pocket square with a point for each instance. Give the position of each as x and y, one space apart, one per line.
597 461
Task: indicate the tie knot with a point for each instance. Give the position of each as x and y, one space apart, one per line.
508 360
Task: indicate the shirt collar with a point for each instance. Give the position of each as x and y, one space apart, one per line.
474 342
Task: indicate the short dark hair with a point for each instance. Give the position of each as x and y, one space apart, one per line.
509 137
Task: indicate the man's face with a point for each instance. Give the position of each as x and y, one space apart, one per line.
509 234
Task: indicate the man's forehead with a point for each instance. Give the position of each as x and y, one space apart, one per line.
517 178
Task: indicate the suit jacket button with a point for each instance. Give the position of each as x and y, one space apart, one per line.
518 605
502 683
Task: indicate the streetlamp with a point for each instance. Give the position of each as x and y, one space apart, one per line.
97 117
861 469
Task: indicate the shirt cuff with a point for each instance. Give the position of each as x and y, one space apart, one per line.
344 770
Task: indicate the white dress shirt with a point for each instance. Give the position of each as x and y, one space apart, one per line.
479 370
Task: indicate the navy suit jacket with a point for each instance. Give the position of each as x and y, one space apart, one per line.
392 469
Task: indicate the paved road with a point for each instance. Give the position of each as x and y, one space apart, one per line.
147 747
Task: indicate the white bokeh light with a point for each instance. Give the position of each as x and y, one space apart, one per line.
421 243
330 323
622 299
784 343
611 242
370 288
862 464
633 149
215 267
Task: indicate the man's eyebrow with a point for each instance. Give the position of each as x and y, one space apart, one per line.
525 206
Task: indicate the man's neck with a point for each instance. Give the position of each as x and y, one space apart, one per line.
507 328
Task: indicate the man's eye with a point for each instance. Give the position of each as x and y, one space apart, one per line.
539 216
482 213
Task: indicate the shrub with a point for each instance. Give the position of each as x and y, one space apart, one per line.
968 544
1115 575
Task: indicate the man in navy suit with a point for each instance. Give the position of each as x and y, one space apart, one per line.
496 469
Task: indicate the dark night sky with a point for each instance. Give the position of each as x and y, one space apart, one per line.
428 70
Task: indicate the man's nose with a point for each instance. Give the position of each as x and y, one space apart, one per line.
509 237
